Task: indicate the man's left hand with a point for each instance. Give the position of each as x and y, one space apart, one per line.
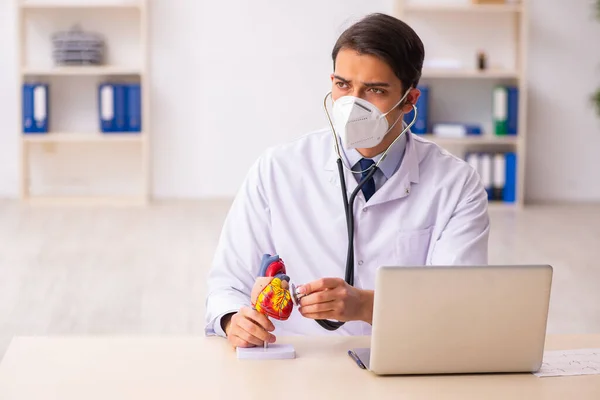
333 298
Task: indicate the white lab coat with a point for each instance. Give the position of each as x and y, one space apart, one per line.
432 211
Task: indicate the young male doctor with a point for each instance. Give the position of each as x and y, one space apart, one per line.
422 206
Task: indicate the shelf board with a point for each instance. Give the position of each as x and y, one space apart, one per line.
469 74
60 137
500 205
485 139
91 70
79 4
470 8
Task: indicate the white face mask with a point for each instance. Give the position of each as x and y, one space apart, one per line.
359 123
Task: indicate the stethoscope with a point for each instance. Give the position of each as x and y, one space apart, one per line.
349 202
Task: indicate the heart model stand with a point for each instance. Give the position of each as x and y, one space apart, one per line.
272 296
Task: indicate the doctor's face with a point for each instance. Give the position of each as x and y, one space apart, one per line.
372 79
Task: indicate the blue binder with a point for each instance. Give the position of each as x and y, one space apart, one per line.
510 188
35 108
422 123
473 129
512 124
112 104
134 108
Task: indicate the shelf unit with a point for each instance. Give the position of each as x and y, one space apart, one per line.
85 137
88 140
82 71
455 10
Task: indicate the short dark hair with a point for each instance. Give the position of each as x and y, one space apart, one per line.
389 39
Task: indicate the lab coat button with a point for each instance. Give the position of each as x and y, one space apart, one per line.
365 209
360 262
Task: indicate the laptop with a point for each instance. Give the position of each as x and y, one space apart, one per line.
458 320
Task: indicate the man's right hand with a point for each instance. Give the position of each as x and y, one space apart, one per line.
248 328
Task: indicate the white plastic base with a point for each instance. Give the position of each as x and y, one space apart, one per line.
273 352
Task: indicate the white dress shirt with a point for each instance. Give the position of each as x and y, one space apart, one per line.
388 166
431 211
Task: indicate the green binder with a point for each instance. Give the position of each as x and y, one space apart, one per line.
500 110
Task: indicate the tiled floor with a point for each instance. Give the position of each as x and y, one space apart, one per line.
66 271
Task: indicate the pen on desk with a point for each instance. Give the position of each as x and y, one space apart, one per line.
356 359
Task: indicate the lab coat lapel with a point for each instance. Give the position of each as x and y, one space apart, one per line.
398 186
334 177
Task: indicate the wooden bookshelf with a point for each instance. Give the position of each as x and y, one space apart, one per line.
46 16
466 17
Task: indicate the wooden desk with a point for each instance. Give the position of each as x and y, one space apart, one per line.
206 368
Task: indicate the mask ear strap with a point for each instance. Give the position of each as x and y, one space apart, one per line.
399 103
399 117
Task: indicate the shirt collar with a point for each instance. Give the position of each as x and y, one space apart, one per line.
389 165
408 167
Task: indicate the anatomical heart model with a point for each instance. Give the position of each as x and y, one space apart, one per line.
271 296
271 292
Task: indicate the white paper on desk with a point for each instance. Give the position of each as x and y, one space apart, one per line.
570 362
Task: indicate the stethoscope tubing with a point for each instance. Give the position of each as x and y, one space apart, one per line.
349 205
349 210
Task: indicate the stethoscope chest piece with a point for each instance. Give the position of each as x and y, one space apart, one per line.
295 295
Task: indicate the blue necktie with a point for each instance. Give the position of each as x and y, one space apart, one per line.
369 187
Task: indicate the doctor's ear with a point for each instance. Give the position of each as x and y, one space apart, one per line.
411 99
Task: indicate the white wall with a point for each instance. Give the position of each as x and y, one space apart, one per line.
257 77
230 78
564 131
